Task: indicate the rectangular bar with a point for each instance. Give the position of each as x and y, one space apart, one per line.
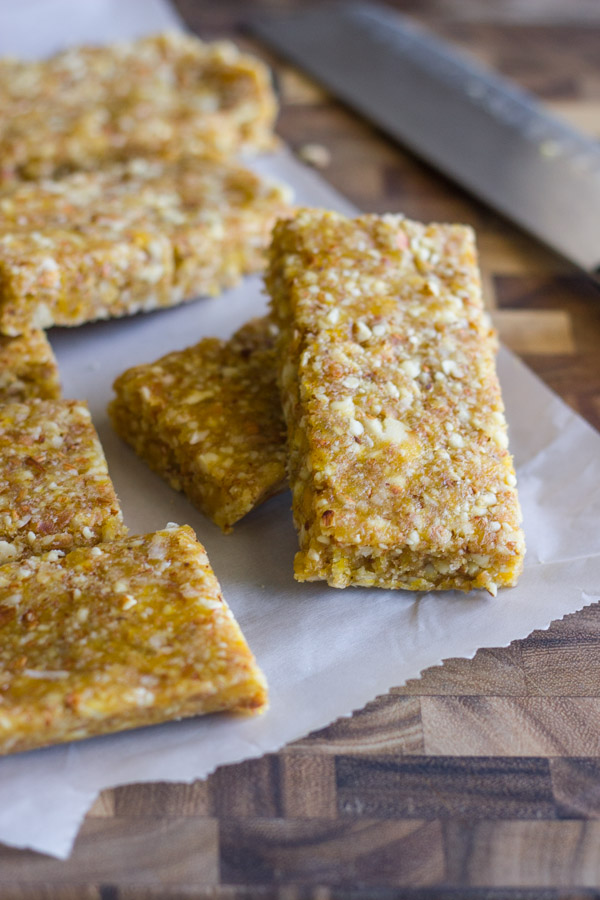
131 237
208 419
118 636
399 466
28 369
55 491
169 95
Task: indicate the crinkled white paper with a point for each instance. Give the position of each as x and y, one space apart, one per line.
325 652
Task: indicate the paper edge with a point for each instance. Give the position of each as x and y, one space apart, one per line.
256 752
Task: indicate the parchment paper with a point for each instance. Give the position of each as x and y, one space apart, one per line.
325 652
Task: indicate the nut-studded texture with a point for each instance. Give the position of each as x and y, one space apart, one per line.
116 636
28 369
209 420
169 95
130 237
399 465
55 491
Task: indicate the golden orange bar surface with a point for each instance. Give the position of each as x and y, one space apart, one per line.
129 238
55 491
28 369
117 636
399 461
170 95
208 419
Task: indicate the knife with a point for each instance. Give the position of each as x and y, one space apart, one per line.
485 133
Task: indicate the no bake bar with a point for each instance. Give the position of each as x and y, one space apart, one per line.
28 369
133 237
55 491
117 636
170 95
208 419
399 466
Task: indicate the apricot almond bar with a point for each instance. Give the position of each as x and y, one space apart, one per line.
169 95
117 636
399 466
28 369
129 237
208 419
55 491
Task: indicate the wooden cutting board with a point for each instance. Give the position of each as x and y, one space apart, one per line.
482 774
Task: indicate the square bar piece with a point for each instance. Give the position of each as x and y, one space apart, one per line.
399 466
55 491
208 419
28 369
170 95
130 237
117 636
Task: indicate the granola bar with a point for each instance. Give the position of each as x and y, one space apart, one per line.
117 636
130 237
208 419
55 491
28 368
169 95
399 466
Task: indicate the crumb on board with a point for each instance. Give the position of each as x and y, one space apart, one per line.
316 155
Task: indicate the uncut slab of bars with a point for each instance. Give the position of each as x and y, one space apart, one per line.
55 491
169 95
117 636
28 369
127 238
399 466
208 419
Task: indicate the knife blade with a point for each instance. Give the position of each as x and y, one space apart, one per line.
479 129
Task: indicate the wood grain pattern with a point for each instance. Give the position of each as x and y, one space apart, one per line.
337 853
481 778
174 850
511 726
